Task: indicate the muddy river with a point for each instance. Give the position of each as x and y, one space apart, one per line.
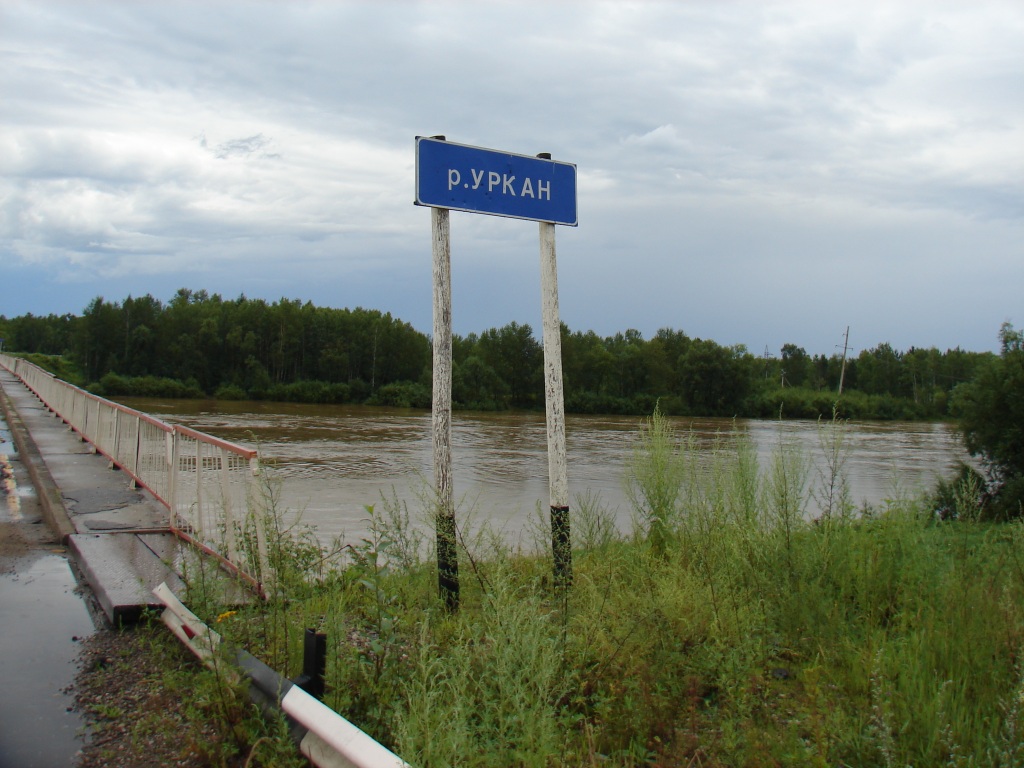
332 461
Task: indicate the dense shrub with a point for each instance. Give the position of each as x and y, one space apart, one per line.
404 394
991 413
799 403
307 392
113 385
230 392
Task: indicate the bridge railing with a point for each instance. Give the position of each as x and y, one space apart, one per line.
208 485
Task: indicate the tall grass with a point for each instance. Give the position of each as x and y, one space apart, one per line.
728 629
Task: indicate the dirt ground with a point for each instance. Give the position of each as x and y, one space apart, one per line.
133 720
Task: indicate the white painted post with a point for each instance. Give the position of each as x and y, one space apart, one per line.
228 506
172 471
441 419
199 521
115 451
558 474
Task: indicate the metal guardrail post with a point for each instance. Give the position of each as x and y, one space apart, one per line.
314 664
330 740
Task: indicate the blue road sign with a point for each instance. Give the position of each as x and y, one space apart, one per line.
465 178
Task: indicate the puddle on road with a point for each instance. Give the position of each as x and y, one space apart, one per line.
12 492
40 613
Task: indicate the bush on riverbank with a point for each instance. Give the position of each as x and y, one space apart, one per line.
725 630
991 412
112 385
799 403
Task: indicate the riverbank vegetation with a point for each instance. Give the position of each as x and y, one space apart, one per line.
724 629
201 345
990 409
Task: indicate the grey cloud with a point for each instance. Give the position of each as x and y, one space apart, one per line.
245 147
730 154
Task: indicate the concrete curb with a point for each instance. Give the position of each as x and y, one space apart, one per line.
50 500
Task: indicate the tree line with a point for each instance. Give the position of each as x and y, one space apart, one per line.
202 345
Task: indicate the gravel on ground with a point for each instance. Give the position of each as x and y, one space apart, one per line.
133 719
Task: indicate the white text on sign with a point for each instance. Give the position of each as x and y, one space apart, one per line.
505 183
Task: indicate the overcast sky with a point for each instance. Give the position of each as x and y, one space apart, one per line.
754 173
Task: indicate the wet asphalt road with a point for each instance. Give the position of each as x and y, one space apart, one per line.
42 619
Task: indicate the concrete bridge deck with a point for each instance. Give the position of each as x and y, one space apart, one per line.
118 534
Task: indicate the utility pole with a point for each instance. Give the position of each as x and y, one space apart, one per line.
842 370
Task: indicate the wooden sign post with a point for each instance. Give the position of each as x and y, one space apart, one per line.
453 176
554 400
441 414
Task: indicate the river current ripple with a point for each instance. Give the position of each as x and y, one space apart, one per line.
333 461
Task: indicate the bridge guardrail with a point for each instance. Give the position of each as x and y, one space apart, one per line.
325 737
207 484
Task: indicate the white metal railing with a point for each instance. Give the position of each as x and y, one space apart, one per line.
208 485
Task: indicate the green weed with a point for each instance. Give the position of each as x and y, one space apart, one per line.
729 628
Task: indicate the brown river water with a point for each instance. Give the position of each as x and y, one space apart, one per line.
333 461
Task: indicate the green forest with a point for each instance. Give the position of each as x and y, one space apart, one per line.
202 345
